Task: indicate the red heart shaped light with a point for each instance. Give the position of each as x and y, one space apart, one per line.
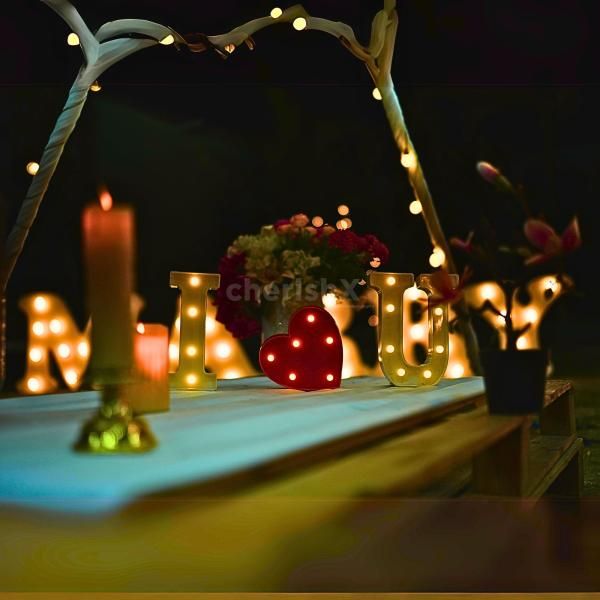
309 357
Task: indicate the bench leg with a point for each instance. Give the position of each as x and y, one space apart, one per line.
569 484
501 470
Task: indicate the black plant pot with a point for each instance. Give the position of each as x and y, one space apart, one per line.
515 380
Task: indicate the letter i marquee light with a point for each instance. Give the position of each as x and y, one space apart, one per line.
391 288
191 373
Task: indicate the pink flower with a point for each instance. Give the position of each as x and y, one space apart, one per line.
445 292
488 171
299 220
465 245
543 237
493 175
327 230
280 223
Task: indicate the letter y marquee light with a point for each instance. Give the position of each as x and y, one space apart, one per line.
191 373
391 288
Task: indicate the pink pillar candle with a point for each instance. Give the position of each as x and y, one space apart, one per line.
108 243
150 393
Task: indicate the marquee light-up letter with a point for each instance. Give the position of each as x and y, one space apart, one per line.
52 329
391 288
191 373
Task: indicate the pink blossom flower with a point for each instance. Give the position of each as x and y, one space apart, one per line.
445 292
299 220
488 171
465 245
543 237
493 175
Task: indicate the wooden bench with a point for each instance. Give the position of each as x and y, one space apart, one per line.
507 457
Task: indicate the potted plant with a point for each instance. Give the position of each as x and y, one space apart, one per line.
511 248
266 277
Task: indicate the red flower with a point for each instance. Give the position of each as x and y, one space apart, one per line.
347 241
230 312
445 292
376 248
543 237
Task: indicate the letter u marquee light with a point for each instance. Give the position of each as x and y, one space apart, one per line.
391 288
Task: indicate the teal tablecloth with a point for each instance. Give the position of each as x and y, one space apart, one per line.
247 422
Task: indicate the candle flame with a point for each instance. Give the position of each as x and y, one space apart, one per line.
106 200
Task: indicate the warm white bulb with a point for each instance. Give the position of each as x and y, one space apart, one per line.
522 343
417 332
271 357
391 280
390 308
83 349
329 300
300 24
34 384
193 312
408 160
229 48
276 12
415 207
36 355
223 350
401 372
73 39
38 328
531 315
292 376
329 340
439 349
457 370
413 293
487 291
191 350
32 168
329 377
377 94
140 328
194 281
71 377
40 304
389 348
437 258
211 325
427 374
438 312
232 374
191 379
317 221
95 87
64 350
56 326
167 40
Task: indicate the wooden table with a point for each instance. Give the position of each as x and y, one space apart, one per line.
256 528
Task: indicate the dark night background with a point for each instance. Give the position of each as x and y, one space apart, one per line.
206 149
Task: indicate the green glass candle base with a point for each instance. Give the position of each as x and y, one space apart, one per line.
114 430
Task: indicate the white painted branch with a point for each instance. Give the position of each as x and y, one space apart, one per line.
110 46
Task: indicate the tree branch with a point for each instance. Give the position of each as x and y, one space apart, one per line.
111 44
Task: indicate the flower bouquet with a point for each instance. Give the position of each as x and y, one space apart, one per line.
512 257
265 277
